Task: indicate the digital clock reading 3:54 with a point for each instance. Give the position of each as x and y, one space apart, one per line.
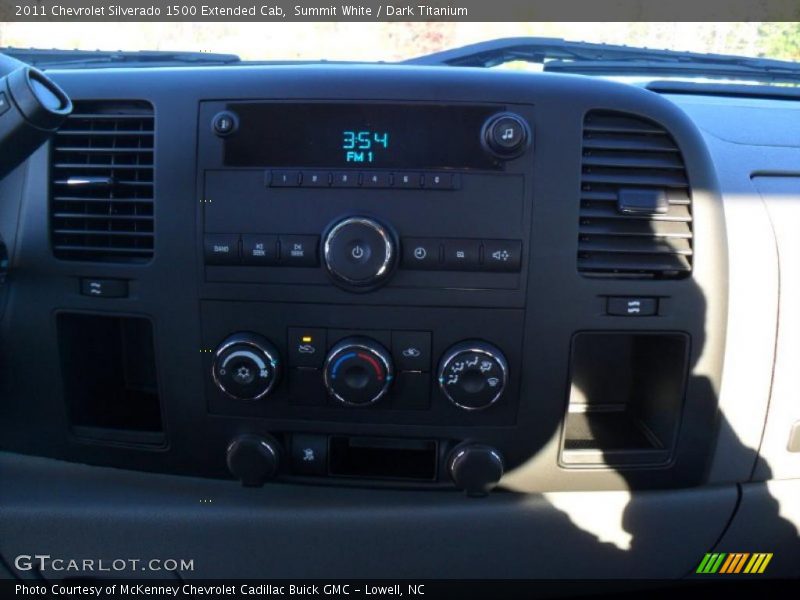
364 146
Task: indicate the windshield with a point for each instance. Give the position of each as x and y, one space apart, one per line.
394 41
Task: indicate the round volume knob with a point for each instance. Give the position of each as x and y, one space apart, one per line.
358 371
506 135
246 366
253 459
359 253
473 375
475 468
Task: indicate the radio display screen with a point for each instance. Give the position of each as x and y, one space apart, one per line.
404 136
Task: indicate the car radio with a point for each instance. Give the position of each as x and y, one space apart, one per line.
363 195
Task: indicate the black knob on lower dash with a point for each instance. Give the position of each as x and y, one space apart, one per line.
253 459
475 468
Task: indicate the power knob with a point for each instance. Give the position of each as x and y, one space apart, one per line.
359 253
246 366
473 375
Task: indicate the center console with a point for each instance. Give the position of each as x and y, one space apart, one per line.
402 231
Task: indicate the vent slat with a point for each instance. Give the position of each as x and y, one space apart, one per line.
122 250
632 178
109 117
627 152
616 123
675 213
627 161
106 232
102 150
600 193
111 201
103 133
636 245
104 167
102 190
629 143
629 227
645 264
99 217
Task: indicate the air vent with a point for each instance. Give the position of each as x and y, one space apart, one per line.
636 214
102 183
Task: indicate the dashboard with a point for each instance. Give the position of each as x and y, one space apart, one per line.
376 285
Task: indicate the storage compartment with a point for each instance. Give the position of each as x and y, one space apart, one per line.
109 377
382 458
626 398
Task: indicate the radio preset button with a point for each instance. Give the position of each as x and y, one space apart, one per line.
299 250
462 255
408 180
376 179
502 255
344 179
315 179
284 178
438 181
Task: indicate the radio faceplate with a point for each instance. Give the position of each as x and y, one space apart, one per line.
459 215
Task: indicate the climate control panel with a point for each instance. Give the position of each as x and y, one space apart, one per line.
380 365
359 370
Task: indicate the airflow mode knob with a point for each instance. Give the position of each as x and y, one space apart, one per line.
473 375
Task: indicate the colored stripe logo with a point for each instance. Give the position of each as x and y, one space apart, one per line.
733 563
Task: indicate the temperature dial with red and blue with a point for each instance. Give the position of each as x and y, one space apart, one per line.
358 371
